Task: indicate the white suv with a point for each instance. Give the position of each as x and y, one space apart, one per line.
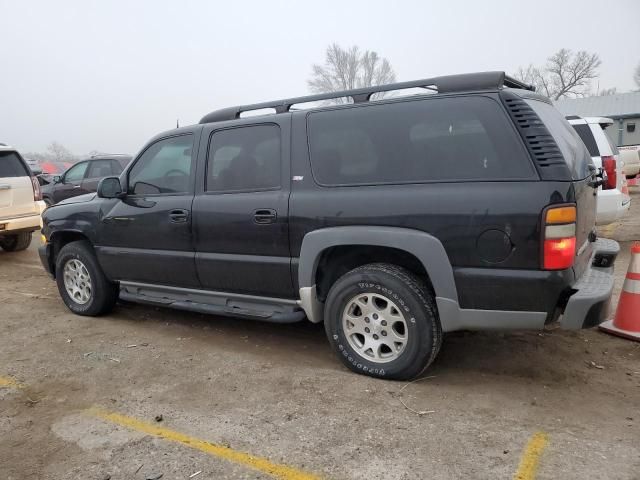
20 201
613 194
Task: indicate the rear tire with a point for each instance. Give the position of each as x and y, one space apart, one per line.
382 321
82 284
17 242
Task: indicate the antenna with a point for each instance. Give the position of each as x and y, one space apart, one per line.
177 123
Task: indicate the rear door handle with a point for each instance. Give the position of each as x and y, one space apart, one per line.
265 216
5 186
178 215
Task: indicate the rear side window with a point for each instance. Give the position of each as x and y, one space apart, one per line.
116 167
462 138
572 147
584 131
244 159
103 168
12 166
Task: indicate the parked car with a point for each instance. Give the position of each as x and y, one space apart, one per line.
392 220
613 195
83 177
20 201
51 169
630 155
34 166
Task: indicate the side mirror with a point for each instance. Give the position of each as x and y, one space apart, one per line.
109 187
57 179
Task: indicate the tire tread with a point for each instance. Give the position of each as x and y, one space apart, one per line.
421 290
105 292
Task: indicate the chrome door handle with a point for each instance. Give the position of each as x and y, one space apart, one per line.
265 216
178 215
5 186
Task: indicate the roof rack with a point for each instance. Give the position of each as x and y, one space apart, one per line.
444 84
98 155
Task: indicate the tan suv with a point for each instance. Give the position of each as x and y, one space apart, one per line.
20 201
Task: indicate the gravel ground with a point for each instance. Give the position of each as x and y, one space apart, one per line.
278 392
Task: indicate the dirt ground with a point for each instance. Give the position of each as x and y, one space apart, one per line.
277 391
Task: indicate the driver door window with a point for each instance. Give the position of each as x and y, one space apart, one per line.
76 173
164 168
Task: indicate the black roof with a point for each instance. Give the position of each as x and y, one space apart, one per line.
445 84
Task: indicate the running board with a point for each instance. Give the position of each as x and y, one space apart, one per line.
267 309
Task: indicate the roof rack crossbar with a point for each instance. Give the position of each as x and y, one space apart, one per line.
444 84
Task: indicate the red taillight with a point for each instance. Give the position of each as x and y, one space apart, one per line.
609 166
37 194
559 253
559 237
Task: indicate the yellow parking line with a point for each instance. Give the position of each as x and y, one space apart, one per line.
531 457
8 382
260 464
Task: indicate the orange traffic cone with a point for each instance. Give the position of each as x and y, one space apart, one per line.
627 320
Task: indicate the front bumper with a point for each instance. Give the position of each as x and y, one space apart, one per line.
589 304
45 257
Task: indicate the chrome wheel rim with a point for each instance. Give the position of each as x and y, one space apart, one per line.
375 327
77 281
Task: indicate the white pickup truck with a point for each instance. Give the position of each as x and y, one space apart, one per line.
20 201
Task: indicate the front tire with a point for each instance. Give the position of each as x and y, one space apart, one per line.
382 321
17 242
81 282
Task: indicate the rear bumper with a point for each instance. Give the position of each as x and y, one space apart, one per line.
611 206
13 225
589 304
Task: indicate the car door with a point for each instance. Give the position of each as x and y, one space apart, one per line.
146 236
97 170
70 184
241 209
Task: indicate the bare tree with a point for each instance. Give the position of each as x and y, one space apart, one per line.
59 153
566 74
55 152
532 75
636 76
345 69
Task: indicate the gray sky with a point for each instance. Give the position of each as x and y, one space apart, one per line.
109 75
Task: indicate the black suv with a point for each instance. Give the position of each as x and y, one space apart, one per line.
83 177
392 220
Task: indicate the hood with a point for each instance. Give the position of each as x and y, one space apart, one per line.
79 199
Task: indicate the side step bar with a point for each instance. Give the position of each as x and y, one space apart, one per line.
266 309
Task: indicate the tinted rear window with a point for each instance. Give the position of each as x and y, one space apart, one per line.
437 139
584 131
572 147
12 166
